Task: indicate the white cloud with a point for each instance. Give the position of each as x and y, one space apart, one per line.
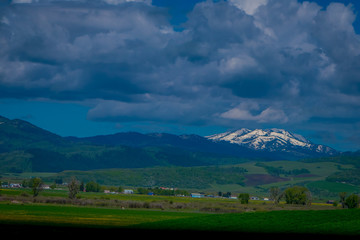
116 2
23 1
244 112
249 6
236 64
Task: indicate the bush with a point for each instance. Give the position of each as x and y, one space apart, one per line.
92 187
352 201
244 198
297 195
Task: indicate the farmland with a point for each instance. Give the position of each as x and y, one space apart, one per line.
52 210
99 212
250 177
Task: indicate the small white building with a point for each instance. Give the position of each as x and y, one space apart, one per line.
128 191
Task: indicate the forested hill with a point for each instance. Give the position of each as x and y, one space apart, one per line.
26 147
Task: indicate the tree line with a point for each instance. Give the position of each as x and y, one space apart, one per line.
161 191
302 196
276 171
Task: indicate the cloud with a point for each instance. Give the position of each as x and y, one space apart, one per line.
23 1
266 116
117 2
249 6
249 111
295 61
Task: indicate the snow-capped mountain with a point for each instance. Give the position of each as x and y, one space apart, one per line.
272 140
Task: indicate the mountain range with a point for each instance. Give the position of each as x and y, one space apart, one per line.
26 147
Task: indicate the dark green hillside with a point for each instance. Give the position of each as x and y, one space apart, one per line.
18 135
177 177
250 177
351 176
27 148
88 158
344 158
343 175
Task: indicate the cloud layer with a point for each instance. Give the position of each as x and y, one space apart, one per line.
233 62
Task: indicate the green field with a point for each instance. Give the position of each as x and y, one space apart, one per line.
67 217
76 216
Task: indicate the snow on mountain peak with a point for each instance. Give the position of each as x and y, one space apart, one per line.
269 139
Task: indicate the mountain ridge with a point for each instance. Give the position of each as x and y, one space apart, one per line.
26 147
272 139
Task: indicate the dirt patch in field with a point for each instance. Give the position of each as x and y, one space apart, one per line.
260 179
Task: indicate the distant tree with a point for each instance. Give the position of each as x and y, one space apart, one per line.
275 194
342 196
73 188
227 195
120 189
297 195
141 190
244 198
352 201
36 185
92 187
82 187
25 183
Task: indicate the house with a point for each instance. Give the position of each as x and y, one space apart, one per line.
197 195
128 191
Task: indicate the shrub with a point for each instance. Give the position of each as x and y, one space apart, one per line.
244 198
92 187
297 195
352 201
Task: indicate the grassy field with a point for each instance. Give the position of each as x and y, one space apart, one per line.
77 216
334 222
52 212
60 219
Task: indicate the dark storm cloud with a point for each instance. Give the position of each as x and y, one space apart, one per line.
254 61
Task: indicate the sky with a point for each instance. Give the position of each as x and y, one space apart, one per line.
84 68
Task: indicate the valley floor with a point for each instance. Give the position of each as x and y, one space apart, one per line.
44 220
168 216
